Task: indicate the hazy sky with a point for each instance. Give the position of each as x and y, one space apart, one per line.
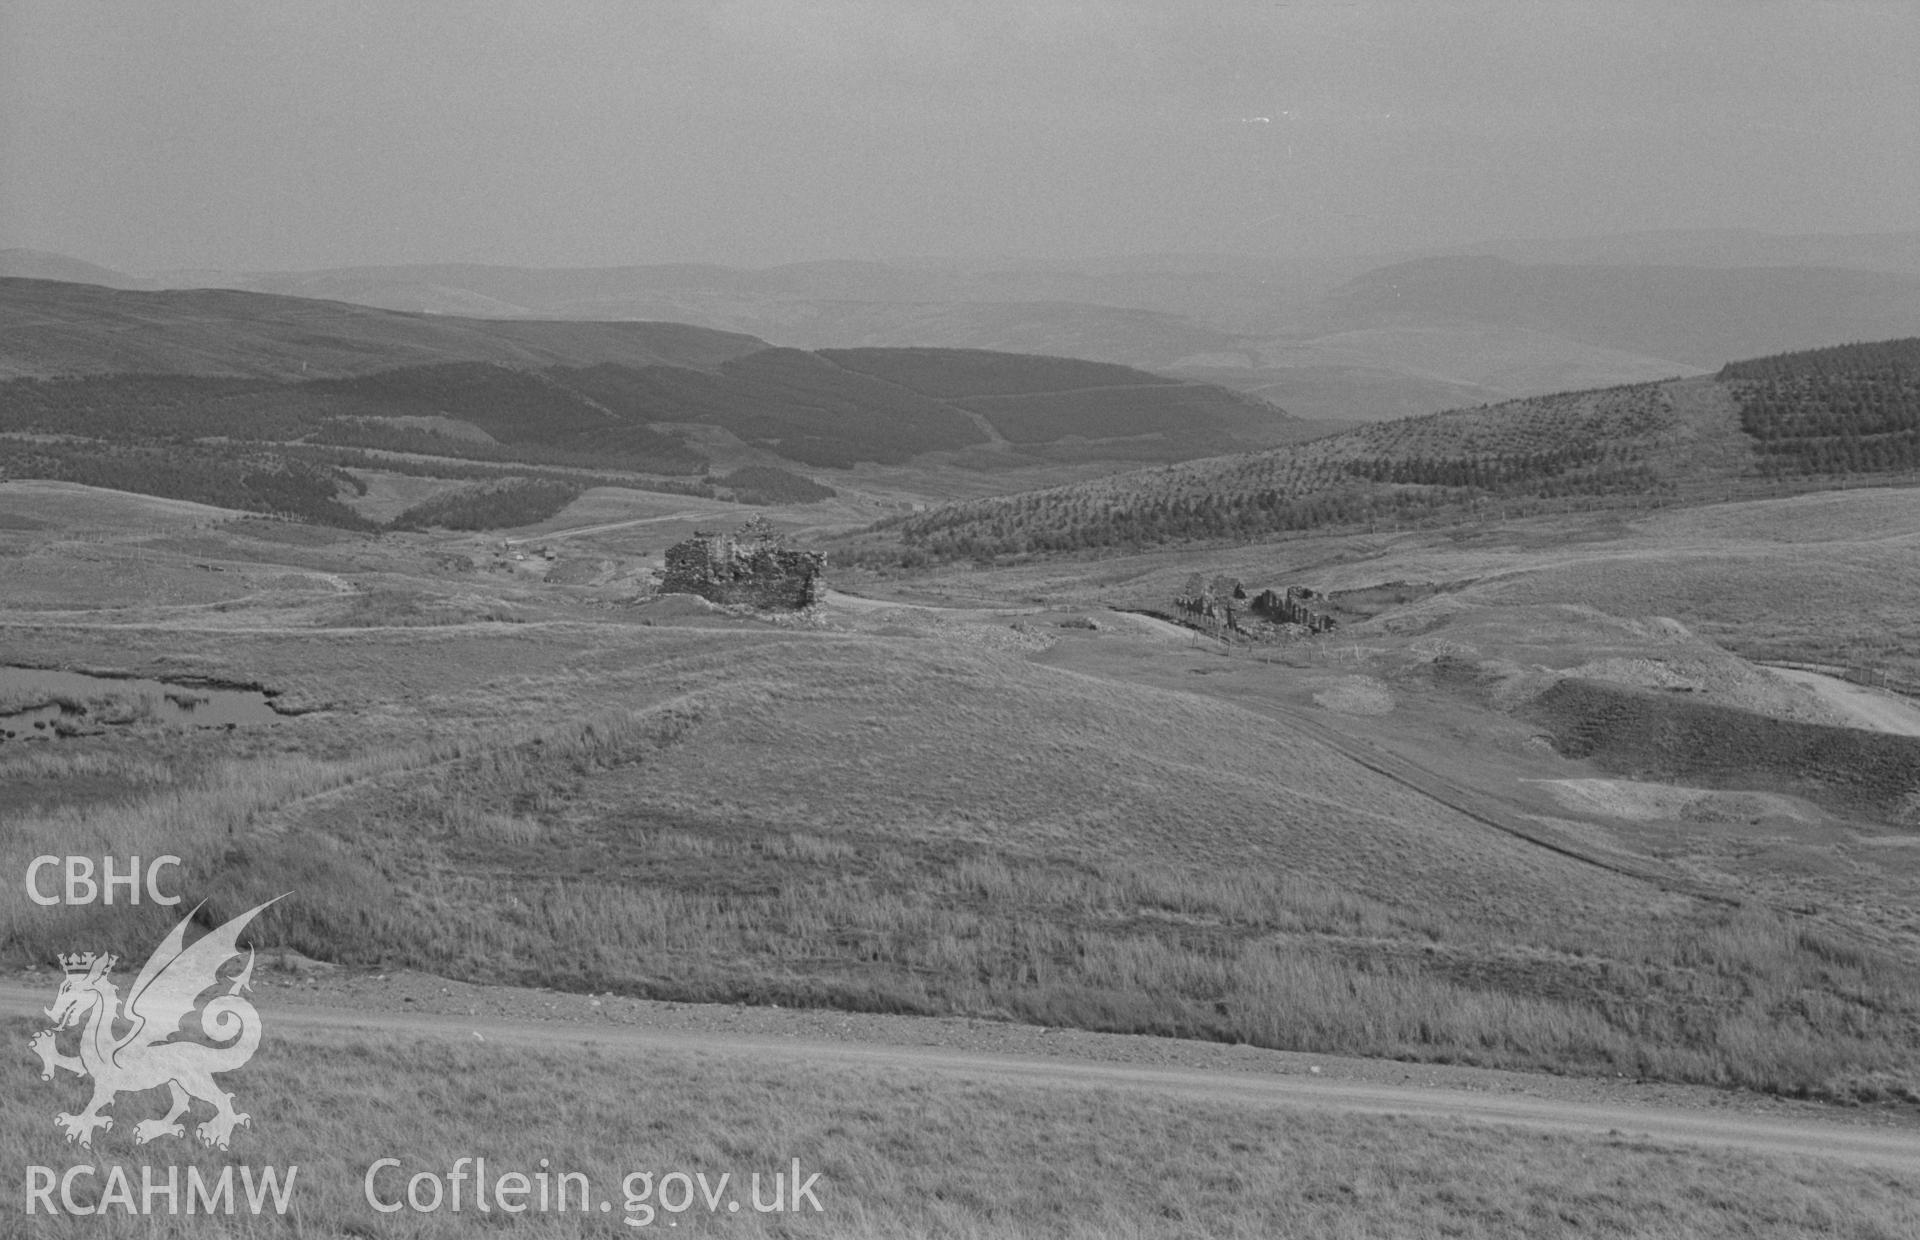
150 134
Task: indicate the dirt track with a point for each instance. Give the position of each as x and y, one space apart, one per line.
577 531
1087 1061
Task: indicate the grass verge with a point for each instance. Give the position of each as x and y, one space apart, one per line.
900 1154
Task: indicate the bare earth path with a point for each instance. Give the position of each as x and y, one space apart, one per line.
577 531
1879 712
961 1048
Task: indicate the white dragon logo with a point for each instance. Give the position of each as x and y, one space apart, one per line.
143 1058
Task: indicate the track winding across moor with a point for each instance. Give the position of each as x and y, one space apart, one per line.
1496 1102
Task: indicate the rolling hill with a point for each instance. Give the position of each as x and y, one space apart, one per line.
1340 338
1800 421
979 812
1349 338
43 265
52 328
167 392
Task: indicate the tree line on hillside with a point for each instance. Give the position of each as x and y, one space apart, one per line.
356 458
786 400
1493 473
302 486
285 449
530 416
144 407
228 477
619 448
1569 449
1899 356
1832 412
803 406
1834 422
1077 521
544 416
766 484
505 504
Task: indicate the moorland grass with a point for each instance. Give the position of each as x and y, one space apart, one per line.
903 1154
571 855
913 824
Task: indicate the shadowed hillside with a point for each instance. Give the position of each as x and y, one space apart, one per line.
1346 338
165 392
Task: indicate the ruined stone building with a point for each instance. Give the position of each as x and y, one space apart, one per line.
751 566
1298 605
1221 607
1212 606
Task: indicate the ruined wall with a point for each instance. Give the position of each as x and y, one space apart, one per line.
1212 606
752 567
1221 608
1298 605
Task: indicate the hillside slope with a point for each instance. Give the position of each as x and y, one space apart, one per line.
50 328
928 810
1802 421
1847 409
1345 338
258 401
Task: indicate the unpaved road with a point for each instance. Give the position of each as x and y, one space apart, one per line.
1085 1061
578 530
949 611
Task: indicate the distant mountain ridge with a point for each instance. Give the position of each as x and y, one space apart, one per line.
50 328
42 265
1694 316
1321 337
1897 252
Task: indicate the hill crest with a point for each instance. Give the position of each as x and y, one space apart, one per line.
54 328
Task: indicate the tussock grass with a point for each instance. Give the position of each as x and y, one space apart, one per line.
18 701
66 764
798 918
902 1154
232 819
908 826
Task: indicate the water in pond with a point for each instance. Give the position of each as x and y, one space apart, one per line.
37 703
